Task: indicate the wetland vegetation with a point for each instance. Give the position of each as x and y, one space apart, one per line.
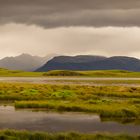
25 135
111 103
106 101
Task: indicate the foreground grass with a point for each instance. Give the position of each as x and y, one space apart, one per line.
107 101
28 91
25 135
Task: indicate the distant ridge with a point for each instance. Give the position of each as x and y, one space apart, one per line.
24 62
89 62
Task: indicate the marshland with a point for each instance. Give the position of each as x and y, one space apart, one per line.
66 107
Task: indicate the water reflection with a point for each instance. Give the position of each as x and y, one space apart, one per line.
60 122
122 120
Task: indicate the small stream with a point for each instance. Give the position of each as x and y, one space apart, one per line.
60 122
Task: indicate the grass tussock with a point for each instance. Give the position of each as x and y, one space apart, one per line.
25 135
23 91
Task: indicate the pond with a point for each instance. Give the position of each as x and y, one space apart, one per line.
59 122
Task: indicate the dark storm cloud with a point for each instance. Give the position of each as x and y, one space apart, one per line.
55 13
71 4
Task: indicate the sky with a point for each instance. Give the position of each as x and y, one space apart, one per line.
70 27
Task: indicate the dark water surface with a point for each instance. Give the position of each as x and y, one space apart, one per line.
60 122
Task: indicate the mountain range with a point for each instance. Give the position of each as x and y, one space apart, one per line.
24 62
89 62
28 62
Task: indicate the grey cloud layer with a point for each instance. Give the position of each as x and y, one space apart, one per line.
75 4
55 13
18 38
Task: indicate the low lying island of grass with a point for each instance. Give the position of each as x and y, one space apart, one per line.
25 135
101 107
93 73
